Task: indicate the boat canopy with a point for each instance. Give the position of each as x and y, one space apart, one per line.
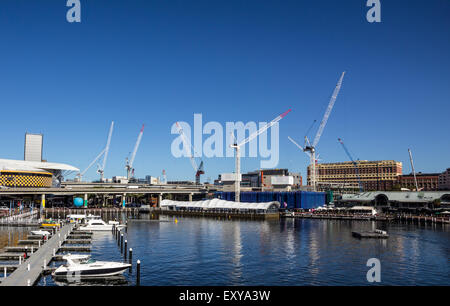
215 204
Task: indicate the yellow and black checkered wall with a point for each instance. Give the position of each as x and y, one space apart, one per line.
20 179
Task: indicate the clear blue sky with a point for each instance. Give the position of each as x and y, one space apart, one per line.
160 61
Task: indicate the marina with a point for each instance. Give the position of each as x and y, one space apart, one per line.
43 248
225 143
283 239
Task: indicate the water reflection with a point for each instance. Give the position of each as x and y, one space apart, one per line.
119 280
207 251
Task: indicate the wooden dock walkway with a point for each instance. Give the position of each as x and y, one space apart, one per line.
22 276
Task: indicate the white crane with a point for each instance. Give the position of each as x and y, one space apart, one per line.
80 175
129 163
237 147
413 171
187 147
311 148
101 169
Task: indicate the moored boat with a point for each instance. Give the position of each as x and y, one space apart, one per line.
82 266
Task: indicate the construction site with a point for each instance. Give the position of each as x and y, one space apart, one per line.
34 182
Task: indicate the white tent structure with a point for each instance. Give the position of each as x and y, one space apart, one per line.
219 205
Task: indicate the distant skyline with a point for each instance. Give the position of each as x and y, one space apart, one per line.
157 62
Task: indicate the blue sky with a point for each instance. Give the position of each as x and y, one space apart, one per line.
161 61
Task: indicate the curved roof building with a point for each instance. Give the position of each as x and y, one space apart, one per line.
218 204
21 173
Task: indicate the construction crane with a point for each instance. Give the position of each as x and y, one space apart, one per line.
311 148
129 162
414 171
101 169
301 148
80 175
103 153
237 147
199 170
361 189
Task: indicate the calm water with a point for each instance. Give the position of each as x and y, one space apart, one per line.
204 251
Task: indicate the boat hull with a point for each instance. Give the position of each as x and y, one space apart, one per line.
101 272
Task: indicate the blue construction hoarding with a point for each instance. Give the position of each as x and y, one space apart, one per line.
289 200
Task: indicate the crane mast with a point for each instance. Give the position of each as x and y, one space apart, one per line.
237 148
129 162
101 169
412 168
361 189
199 170
311 148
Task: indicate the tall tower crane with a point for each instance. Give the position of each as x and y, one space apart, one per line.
129 162
101 169
311 148
237 147
199 170
361 189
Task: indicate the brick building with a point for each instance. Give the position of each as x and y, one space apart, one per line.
425 181
374 175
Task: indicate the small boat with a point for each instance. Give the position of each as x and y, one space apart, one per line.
50 223
100 225
83 266
40 233
371 234
76 218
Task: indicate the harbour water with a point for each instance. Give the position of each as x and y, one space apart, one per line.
207 251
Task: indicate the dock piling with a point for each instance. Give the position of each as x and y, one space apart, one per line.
121 243
130 258
4 272
125 250
138 272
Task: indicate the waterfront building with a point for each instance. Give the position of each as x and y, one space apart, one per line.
374 175
425 181
21 173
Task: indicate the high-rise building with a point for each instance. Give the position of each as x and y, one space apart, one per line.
33 147
374 175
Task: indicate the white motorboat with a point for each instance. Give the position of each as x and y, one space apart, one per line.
40 233
82 266
100 225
